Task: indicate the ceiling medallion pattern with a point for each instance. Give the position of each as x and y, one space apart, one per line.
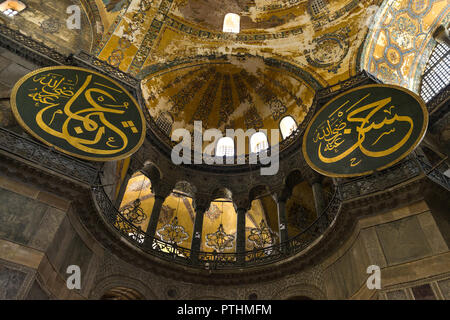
330 51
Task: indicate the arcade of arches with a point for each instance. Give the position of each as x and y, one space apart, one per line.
145 228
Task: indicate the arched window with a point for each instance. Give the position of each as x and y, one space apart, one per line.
164 122
437 73
316 6
232 23
258 142
225 147
11 8
287 126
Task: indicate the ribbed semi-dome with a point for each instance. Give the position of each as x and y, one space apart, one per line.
239 92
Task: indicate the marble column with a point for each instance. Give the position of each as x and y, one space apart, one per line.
123 189
282 219
240 233
154 217
201 206
161 193
198 229
319 198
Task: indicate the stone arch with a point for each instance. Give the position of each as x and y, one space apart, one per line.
186 187
222 192
95 22
124 282
303 290
152 171
293 178
257 191
399 35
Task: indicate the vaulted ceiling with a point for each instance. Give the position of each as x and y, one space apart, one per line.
285 51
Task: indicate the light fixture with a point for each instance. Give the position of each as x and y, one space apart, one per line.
173 232
262 236
11 8
134 213
220 240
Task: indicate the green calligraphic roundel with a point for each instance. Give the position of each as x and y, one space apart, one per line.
365 129
79 112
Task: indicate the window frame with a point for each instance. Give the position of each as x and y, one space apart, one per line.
225 151
235 18
266 141
432 80
281 130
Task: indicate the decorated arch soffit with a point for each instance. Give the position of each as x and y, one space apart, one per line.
400 40
148 32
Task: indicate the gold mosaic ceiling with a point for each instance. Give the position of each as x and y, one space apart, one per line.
391 39
229 92
400 41
323 45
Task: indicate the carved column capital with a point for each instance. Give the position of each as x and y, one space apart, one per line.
201 202
313 177
281 195
243 203
162 190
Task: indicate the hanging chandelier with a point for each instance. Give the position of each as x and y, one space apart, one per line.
220 240
173 232
134 214
262 236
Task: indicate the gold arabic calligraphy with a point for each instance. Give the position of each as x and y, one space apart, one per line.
331 134
58 97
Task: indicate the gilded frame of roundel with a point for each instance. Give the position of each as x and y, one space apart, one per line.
35 135
399 158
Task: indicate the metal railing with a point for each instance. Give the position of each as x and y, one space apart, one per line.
379 181
435 173
409 168
215 260
405 170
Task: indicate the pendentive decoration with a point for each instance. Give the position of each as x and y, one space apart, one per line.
364 130
134 213
220 240
262 236
173 232
79 112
